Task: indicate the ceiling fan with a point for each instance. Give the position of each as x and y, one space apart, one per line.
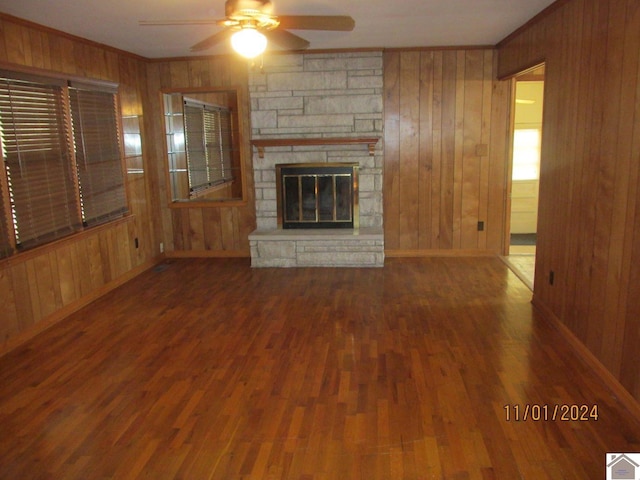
250 24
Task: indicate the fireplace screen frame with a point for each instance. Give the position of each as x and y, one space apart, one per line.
315 171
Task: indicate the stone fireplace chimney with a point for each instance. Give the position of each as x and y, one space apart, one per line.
318 109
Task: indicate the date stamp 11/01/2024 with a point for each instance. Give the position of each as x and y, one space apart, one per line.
550 412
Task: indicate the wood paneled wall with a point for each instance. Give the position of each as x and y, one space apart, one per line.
589 215
445 147
205 231
38 287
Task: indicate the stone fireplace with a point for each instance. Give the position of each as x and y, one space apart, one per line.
317 110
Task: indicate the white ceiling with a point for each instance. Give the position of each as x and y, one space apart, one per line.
379 23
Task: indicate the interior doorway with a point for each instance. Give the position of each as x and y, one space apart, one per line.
526 137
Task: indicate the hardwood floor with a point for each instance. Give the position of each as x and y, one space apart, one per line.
208 369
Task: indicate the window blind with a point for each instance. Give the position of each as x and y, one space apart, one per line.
195 143
40 174
62 158
212 128
98 154
208 144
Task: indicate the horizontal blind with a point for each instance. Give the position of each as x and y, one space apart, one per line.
212 138
194 136
37 161
98 154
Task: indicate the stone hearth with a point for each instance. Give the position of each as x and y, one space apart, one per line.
318 248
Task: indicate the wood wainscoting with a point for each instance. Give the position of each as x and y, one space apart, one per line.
207 368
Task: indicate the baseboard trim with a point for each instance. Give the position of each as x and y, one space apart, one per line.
21 338
439 253
208 254
625 398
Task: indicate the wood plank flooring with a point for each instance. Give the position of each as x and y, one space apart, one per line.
208 369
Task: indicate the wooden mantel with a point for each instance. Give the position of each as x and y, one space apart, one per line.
261 144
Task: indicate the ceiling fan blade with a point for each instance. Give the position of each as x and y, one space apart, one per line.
202 21
317 22
286 40
212 40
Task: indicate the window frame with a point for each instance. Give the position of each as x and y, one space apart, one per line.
173 151
6 210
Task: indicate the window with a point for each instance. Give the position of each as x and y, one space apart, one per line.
97 147
62 159
526 154
207 131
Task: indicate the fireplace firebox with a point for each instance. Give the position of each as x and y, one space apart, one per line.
317 195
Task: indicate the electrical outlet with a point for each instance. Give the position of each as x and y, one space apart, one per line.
480 226
161 247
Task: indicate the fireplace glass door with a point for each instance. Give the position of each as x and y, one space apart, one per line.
318 196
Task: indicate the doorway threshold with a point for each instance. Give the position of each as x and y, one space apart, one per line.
523 266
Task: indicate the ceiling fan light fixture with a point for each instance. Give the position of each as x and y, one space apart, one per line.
249 42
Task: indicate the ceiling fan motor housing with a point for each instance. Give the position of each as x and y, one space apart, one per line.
251 14
233 8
